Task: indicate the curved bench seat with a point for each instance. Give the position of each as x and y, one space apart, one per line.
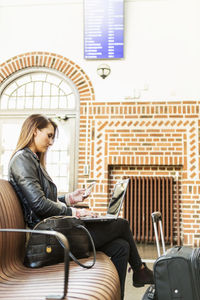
18 282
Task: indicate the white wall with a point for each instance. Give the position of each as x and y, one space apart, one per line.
162 44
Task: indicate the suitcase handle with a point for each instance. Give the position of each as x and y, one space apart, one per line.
156 216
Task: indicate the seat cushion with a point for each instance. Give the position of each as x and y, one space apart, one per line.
100 282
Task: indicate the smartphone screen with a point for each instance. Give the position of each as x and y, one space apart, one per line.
89 188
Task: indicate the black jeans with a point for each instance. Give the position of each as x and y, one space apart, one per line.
115 238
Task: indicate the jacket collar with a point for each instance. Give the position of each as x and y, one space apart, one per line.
42 168
32 153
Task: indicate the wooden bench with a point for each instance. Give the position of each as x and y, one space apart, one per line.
18 282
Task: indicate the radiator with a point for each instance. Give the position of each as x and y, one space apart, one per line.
145 195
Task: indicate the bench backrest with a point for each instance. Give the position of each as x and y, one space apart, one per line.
12 245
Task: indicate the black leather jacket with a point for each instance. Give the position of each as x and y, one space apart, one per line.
35 189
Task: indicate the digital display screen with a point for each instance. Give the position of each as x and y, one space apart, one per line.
103 29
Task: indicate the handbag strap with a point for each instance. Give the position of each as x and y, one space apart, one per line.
93 249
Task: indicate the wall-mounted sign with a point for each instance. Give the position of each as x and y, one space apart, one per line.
103 29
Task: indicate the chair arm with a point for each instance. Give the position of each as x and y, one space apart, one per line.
64 243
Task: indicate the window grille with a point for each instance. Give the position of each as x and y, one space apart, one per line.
38 91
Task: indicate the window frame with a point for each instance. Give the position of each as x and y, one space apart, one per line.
52 113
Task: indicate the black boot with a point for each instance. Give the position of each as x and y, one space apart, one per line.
143 276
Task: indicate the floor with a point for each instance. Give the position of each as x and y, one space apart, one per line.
148 254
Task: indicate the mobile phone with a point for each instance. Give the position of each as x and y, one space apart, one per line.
89 188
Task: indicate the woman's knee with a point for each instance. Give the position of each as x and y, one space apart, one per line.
124 247
123 223
117 248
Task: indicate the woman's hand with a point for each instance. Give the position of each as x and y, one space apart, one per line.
82 212
77 196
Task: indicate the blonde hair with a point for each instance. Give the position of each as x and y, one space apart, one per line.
33 122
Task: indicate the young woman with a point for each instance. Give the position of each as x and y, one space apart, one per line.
38 196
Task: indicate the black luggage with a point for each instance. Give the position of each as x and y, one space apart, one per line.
176 272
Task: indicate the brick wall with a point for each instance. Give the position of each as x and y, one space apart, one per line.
131 138
158 138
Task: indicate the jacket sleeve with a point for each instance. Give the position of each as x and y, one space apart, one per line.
25 174
61 198
64 199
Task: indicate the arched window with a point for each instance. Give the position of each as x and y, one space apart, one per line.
46 91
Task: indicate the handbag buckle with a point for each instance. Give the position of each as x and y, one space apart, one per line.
48 249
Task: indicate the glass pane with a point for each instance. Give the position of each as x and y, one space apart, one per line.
38 76
21 91
23 80
62 184
38 88
55 156
45 102
37 102
53 79
10 133
63 102
63 156
11 88
29 89
12 102
63 170
4 102
58 158
53 169
28 102
9 136
54 101
65 88
54 90
46 89
71 101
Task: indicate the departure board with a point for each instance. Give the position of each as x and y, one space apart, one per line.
103 29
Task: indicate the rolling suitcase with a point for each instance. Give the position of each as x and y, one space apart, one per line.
150 293
176 272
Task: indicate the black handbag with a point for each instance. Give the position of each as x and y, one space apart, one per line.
43 250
